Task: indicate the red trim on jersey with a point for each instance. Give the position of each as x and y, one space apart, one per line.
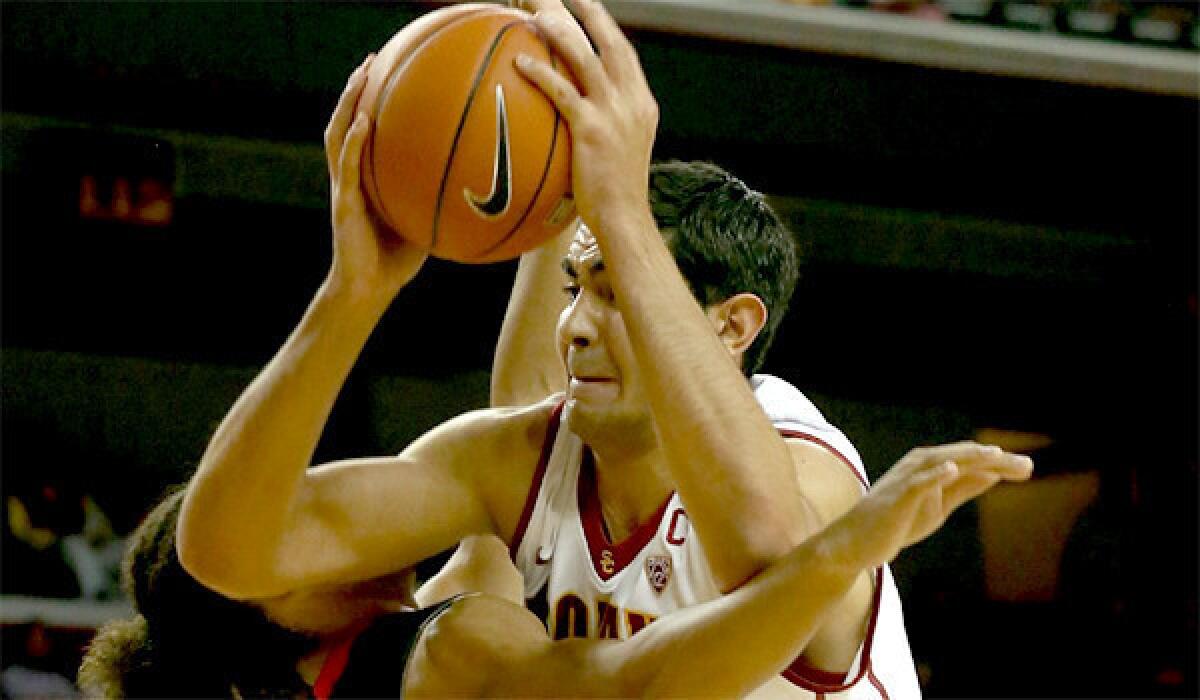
801 674
878 684
816 675
592 518
335 665
814 439
535 485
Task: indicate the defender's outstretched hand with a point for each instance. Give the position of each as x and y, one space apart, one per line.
914 498
612 114
367 257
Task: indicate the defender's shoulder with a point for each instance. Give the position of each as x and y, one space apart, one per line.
462 647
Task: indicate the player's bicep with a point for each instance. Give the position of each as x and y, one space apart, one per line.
831 486
366 517
828 485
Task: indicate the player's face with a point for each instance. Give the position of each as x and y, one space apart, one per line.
604 388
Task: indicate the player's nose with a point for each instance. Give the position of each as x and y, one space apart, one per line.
580 328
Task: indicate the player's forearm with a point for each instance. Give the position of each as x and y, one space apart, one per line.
730 465
251 476
526 366
732 645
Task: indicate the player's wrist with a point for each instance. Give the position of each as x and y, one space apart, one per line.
353 297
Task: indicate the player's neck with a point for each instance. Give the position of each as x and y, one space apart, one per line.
631 488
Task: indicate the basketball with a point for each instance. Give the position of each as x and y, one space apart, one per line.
466 159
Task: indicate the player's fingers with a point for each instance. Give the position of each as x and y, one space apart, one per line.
918 488
617 54
922 498
977 476
927 457
1012 467
536 6
350 160
568 41
966 486
1005 465
560 91
343 114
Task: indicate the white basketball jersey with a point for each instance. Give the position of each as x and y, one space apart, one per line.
584 586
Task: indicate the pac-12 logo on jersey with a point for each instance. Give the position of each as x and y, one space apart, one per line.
658 572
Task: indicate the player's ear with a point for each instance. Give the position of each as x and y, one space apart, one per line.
738 321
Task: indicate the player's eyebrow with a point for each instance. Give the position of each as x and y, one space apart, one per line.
568 266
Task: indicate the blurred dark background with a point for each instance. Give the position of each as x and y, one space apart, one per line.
1001 257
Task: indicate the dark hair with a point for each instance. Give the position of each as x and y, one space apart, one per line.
186 640
726 240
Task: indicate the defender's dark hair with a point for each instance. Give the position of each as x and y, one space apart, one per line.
186 640
725 239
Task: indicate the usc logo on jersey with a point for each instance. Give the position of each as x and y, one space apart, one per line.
607 564
573 618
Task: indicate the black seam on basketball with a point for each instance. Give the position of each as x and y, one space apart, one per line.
541 183
384 95
487 61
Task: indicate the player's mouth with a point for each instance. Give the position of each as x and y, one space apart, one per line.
594 388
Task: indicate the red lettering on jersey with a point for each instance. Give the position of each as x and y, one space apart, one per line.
606 621
637 621
570 617
677 531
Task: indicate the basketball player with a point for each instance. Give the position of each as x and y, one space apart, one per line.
366 640
828 466
655 394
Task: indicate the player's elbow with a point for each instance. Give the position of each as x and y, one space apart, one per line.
218 567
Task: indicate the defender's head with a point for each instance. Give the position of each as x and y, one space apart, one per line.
189 639
185 639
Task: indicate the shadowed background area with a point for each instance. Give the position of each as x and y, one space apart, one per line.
1001 257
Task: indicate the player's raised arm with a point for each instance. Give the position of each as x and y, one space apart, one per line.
256 522
526 366
726 647
731 467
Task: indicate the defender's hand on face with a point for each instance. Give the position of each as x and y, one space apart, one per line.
367 258
612 114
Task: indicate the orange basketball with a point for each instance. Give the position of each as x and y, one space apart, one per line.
467 158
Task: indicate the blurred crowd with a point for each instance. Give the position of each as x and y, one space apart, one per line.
1147 22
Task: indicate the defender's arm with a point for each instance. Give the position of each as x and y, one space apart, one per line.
487 647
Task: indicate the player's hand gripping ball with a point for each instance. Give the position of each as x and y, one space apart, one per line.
467 158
